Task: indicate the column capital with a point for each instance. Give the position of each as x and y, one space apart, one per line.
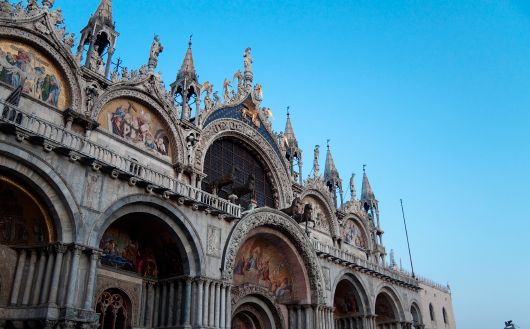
68 324
60 248
95 255
188 280
48 324
77 249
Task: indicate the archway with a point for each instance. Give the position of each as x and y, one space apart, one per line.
114 307
350 302
386 309
416 315
256 312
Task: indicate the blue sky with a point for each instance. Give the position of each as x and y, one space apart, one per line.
433 96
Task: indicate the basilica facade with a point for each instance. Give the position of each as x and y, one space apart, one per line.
126 204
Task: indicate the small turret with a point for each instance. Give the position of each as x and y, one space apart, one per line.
187 86
100 36
292 150
332 179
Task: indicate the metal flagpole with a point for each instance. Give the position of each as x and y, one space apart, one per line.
408 244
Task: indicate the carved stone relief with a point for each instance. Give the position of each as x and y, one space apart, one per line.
214 242
132 290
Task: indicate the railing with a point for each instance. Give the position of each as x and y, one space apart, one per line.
342 256
80 147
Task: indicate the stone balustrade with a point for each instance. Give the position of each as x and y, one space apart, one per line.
62 140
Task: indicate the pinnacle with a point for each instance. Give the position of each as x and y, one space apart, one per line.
104 11
187 67
367 192
289 132
330 170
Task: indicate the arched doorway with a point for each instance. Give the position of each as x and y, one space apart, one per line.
386 311
416 315
141 244
253 312
113 307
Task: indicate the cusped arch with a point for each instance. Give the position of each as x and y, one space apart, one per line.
189 243
360 289
57 54
132 302
330 206
279 221
395 301
174 131
363 225
50 186
234 128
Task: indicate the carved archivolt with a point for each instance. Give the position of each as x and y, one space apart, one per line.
256 313
323 195
238 129
249 289
281 222
174 131
53 54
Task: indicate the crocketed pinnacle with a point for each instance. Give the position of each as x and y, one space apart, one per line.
187 68
289 132
330 171
104 11
367 192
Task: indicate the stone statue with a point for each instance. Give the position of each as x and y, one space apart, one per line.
96 62
125 74
156 49
143 71
226 92
33 8
352 187
316 166
114 76
56 17
208 103
62 33
216 98
92 93
392 260
20 11
247 60
134 76
70 40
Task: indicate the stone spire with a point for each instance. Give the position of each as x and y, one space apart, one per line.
104 12
291 149
332 179
367 192
187 86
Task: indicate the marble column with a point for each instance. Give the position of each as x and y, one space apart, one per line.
18 277
76 252
228 307
187 302
91 281
299 317
178 315
200 293
156 308
211 312
171 304
206 303
163 307
217 304
223 306
149 306
54 285
29 279
315 317
291 317
306 313
40 277
48 275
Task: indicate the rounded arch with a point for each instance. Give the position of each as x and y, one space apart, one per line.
237 129
187 239
114 300
324 197
415 310
260 309
362 225
174 132
359 289
50 186
278 221
56 53
390 294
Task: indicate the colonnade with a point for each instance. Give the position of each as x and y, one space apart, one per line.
368 321
192 301
48 276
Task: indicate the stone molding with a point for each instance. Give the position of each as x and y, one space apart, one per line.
249 289
323 194
235 128
280 221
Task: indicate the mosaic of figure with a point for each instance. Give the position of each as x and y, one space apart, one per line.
383 309
319 217
353 235
132 121
22 217
344 301
261 263
20 63
144 248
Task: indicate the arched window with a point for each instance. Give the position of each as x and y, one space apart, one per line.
222 155
431 311
444 315
113 311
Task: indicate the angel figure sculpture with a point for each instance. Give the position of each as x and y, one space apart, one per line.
226 92
216 98
247 62
208 103
156 49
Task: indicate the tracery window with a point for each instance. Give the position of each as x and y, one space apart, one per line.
225 153
113 311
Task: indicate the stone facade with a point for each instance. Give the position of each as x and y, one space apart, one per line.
109 219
